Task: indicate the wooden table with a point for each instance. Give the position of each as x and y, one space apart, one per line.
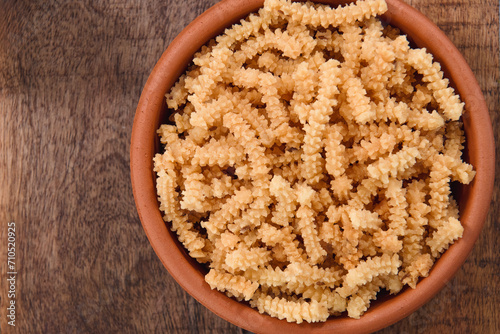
71 74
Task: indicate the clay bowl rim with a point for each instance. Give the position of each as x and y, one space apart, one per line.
480 147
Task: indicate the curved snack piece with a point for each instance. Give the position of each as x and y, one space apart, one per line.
308 160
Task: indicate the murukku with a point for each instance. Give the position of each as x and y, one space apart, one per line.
308 158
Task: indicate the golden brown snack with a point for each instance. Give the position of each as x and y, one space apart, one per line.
309 160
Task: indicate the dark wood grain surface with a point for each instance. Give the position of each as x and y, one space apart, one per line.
71 74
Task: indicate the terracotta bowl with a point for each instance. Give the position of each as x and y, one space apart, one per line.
474 199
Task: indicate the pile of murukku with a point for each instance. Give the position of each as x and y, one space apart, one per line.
308 160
